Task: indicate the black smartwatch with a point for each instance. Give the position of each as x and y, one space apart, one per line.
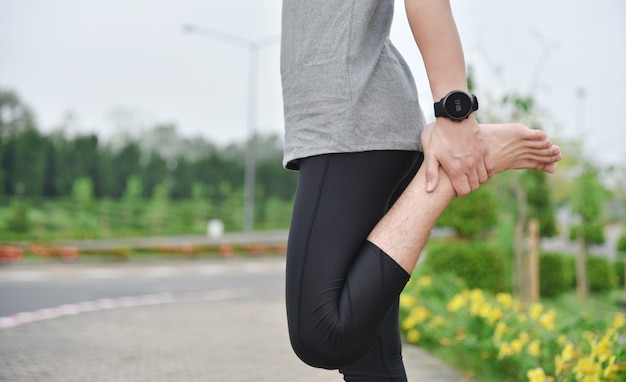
456 105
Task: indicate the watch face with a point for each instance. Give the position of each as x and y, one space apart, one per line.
458 105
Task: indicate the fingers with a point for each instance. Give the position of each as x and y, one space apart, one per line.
473 178
432 172
483 172
470 180
490 165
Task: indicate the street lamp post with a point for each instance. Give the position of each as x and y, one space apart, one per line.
253 47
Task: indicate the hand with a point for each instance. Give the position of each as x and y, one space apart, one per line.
459 148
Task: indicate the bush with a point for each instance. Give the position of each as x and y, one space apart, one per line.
497 338
476 263
472 216
594 234
618 267
554 275
19 220
621 244
601 276
570 265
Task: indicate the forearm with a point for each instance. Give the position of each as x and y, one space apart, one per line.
438 40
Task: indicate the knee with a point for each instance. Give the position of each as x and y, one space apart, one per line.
327 349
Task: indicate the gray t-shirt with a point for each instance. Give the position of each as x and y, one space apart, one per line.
345 86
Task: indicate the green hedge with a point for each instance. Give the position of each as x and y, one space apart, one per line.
477 263
570 265
555 274
618 266
600 274
621 244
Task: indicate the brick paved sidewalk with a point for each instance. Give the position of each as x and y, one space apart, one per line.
231 340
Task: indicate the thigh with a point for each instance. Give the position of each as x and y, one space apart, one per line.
340 198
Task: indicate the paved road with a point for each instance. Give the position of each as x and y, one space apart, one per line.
188 321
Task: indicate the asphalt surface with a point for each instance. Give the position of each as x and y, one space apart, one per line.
218 320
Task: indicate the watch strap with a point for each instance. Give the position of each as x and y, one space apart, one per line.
474 103
440 111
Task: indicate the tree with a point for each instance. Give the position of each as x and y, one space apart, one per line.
29 161
82 193
587 202
131 200
539 203
182 176
125 164
17 131
159 206
154 173
51 170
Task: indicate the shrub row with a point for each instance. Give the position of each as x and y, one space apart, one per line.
481 265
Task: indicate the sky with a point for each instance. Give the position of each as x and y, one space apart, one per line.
120 66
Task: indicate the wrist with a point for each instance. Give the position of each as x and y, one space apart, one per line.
466 125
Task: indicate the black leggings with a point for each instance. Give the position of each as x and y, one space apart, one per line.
342 291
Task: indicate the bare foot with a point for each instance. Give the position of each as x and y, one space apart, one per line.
515 146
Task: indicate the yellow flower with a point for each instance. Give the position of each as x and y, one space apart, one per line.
534 348
586 367
494 316
409 323
522 318
609 370
501 329
445 342
517 345
437 321
505 350
618 321
484 310
505 300
547 319
524 337
477 299
477 296
559 365
568 352
602 349
457 302
561 340
407 301
536 375
413 336
591 378
425 281
621 366
420 314
535 310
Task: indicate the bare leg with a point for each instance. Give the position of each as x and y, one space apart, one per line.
403 231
